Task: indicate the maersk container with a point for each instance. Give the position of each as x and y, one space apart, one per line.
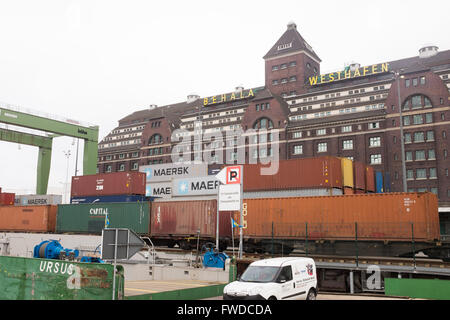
386 216
28 218
118 183
379 182
91 218
359 175
37 199
109 199
320 172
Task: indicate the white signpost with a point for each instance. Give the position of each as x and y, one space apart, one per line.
230 197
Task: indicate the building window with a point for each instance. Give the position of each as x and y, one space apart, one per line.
407 138
108 169
421 173
431 154
122 167
322 147
407 83
422 80
155 139
408 156
409 174
274 82
420 155
374 125
135 154
283 66
346 129
347 145
375 159
135 166
321 132
419 137
414 82
418 119
433 173
292 64
406 121
298 149
292 79
434 190
275 68
263 123
297 134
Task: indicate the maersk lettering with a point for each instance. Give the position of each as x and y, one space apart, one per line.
171 171
161 191
205 185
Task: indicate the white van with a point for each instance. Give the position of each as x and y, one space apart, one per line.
275 279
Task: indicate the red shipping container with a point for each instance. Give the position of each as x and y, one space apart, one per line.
118 183
7 199
179 219
359 175
370 179
321 172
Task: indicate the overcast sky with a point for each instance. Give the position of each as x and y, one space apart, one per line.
98 61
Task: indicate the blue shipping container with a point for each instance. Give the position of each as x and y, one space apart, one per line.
379 182
109 199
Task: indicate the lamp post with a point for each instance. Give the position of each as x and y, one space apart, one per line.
402 138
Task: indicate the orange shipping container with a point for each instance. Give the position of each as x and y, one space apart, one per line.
370 179
385 216
320 172
28 218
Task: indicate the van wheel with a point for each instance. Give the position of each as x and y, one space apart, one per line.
311 295
272 298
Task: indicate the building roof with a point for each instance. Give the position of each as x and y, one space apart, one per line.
291 41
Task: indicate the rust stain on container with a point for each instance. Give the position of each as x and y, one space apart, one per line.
118 183
29 218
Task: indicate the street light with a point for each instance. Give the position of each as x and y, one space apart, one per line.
402 138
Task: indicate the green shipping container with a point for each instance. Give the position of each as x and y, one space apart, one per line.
45 279
91 218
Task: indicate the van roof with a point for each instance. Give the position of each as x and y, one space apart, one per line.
277 262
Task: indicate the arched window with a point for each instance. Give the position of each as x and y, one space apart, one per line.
417 101
155 139
263 123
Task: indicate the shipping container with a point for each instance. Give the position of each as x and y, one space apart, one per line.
387 182
7 199
359 175
188 220
159 190
379 186
37 199
318 192
386 216
168 171
370 179
320 172
118 183
92 218
347 173
109 199
28 218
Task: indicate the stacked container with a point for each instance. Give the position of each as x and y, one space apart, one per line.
28 218
7 199
109 187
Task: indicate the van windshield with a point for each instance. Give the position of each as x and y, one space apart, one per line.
259 274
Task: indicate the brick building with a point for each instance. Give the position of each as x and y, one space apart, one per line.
350 113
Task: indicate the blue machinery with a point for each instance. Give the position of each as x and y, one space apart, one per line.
214 259
52 249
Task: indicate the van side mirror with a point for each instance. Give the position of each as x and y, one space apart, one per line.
281 280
